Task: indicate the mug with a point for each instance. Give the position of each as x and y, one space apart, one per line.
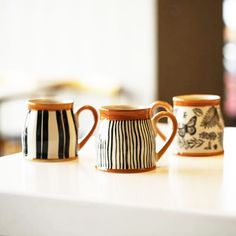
200 125
126 138
51 130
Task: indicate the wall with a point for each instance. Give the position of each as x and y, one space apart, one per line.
190 47
100 41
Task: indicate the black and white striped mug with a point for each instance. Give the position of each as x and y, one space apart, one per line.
51 130
126 138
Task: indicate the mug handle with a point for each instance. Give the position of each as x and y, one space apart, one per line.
155 119
95 116
167 107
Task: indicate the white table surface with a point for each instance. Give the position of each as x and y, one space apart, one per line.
183 196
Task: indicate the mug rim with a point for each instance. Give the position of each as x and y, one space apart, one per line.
49 104
196 100
124 112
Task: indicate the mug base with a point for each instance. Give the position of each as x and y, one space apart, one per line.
125 171
50 160
200 154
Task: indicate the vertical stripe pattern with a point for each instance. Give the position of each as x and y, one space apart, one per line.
126 144
50 135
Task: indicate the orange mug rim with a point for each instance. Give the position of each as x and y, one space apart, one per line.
124 112
196 100
49 104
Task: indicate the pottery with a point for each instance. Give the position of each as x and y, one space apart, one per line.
126 138
51 130
200 125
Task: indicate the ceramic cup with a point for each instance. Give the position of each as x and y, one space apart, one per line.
200 125
126 138
51 130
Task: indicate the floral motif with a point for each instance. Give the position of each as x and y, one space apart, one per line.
190 143
211 118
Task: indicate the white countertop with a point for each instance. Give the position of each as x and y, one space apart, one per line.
183 196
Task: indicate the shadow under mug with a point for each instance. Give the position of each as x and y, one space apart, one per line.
126 138
200 125
51 130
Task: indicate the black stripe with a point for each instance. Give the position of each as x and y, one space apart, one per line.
123 145
108 154
152 143
45 135
76 131
135 145
114 131
25 135
148 156
149 145
111 150
120 145
118 162
38 134
144 145
60 134
131 154
141 144
126 145
67 134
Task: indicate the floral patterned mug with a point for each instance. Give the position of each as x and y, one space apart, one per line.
200 125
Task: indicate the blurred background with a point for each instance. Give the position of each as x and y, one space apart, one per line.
102 52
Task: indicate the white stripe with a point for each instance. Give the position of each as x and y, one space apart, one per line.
141 144
53 139
32 123
114 146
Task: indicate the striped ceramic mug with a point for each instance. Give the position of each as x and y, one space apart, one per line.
126 138
51 130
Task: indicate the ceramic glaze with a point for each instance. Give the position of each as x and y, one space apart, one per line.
200 125
128 144
126 138
50 135
51 130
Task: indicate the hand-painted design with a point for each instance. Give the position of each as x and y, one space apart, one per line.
215 146
220 138
197 111
210 136
127 144
211 118
185 114
188 128
208 147
190 143
53 138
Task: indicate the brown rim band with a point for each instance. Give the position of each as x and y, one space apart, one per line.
189 154
126 171
124 114
49 104
196 100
